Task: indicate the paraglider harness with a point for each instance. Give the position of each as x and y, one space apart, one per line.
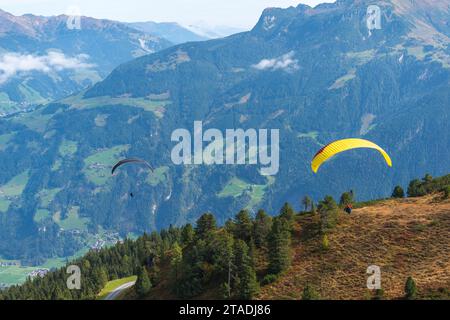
348 208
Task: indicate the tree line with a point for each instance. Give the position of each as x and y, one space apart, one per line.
191 259
232 261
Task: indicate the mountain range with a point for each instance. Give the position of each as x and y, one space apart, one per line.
45 58
315 74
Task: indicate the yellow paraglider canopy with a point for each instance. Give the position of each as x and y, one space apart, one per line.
339 146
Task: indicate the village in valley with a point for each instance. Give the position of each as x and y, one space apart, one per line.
95 243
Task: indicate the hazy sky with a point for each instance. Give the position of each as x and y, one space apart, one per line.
235 13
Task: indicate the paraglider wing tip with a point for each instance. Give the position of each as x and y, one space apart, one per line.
387 158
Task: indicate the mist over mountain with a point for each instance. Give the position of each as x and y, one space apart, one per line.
171 31
316 74
212 32
45 58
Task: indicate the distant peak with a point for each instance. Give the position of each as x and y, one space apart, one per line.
4 13
408 6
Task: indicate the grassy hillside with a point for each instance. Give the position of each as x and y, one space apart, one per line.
322 253
405 237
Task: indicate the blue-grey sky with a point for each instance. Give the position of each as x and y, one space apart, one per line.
234 13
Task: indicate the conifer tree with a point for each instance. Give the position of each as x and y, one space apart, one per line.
288 214
325 242
309 293
187 234
279 246
398 192
102 276
306 202
246 284
175 263
206 224
222 253
410 289
261 228
143 284
328 210
346 198
243 226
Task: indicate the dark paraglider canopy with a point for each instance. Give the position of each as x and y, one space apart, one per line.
131 160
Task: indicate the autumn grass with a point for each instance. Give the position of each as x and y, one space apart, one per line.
406 237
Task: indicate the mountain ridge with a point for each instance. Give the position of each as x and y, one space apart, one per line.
42 59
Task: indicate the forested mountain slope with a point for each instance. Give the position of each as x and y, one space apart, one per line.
316 74
319 253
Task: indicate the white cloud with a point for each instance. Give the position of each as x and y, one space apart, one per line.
286 62
12 64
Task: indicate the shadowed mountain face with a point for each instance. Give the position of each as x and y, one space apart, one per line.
316 74
46 58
